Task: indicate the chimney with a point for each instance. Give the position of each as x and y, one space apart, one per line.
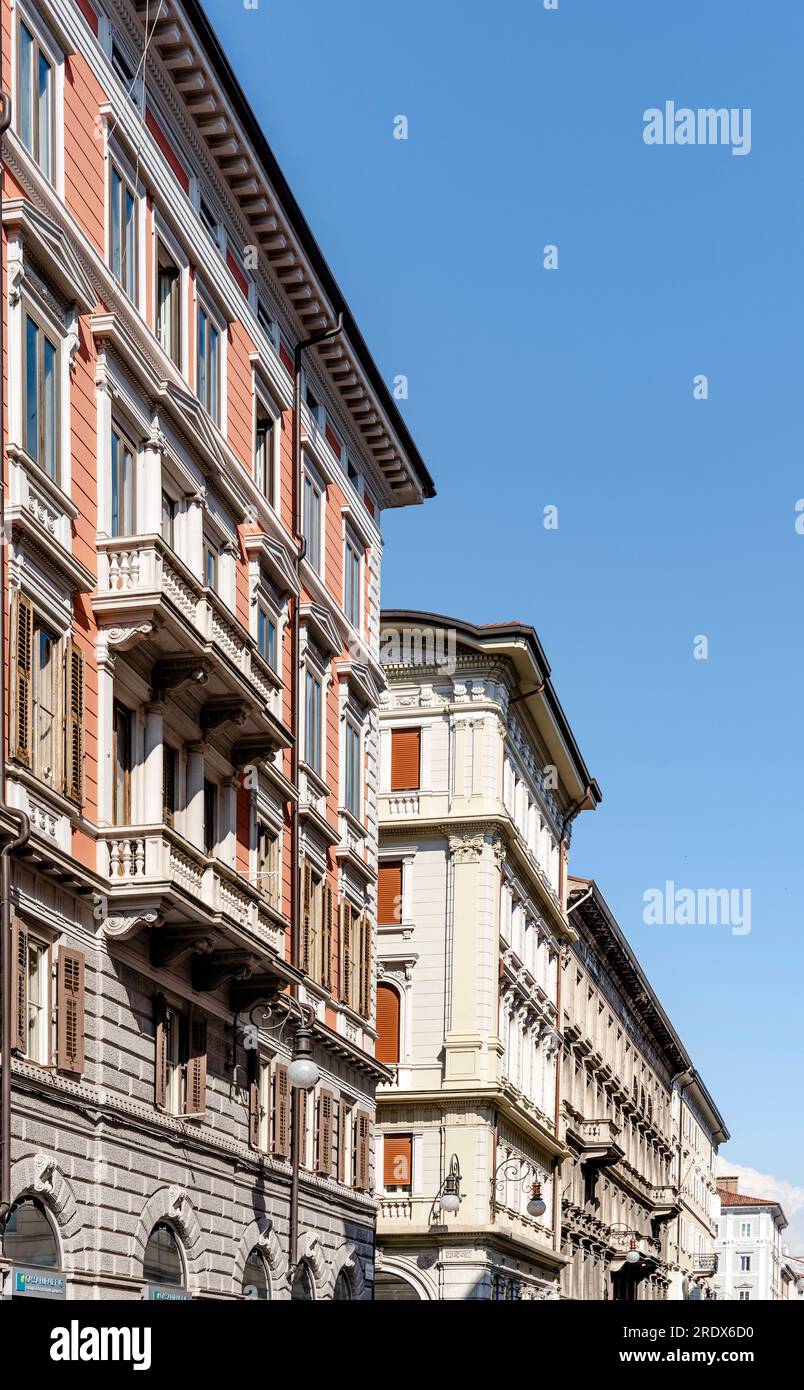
728 1184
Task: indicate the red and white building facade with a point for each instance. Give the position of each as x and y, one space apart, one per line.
158 276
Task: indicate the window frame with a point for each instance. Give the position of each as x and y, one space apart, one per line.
352 728
353 589
122 776
42 627
272 890
313 680
117 484
118 166
43 45
214 322
46 337
44 949
314 487
264 410
165 259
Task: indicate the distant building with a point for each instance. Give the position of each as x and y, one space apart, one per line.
749 1245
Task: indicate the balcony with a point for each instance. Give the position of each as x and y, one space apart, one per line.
665 1203
196 906
704 1266
145 592
595 1141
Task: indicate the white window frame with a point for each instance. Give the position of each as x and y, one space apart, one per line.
264 406
352 542
37 27
313 478
311 673
163 234
44 1053
204 303
350 724
117 159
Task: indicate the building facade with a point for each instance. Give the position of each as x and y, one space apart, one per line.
638 1188
480 779
750 1258
193 501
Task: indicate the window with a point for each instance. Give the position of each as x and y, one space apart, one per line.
38 987
267 322
41 398
352 768
398 1162
743 1296
745 1264
209 364
316 926
312 521
211 558
121 760
168 521
211 222
266 637
162 1262
352 571
302 1287
268 863
46 673
405 759
123 485
264 456
343 1289
28 1238
387 1049
389 893
168 784
123 233
255 1278
180 1070
264 1105
312 723
168 304
36 102
124 68
210 809
355 959
745 1230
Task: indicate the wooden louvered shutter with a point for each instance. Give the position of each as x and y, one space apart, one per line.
300 1099
19 986
253 1064
70 1010
21 712
346 951
326 943
160 1050
397 1160
362 1151
343 1134
281 1144
387 1024
307 923
74 723
405 759
323 1156
197 1065
364 1003
389 894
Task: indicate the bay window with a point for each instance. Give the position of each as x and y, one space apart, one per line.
41 397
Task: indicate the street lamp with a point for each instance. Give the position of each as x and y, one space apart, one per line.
633 1255
521 1171
303 1073
449 1194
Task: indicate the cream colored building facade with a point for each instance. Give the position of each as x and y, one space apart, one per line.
635 1117
472 852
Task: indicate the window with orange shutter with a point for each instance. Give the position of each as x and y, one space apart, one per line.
398 1162
405 759
389 894
387 1024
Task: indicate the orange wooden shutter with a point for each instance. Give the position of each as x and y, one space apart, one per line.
326 943
197 1066
405 759
19 996
362 1151
21 712
346 951
281 1144
389 894
343 1132
364 1003
74 723
387 1024
307 925
253 1065
397 1162
70 1010
160 1054
323 1164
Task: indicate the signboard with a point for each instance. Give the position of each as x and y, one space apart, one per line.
163 1293
37 1283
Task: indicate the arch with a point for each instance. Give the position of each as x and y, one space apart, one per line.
172 1206
311 1253
40 1177
347 1261
389 1021
260 1235
396 1268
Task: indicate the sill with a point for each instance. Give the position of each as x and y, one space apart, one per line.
49 485
319 785
353 822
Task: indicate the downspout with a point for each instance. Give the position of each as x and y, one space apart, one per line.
6 964
295 866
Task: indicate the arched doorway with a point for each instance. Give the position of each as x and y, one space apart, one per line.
256 1283
29 1237
163 1262
389 1288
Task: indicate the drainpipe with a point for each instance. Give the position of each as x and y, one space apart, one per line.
6 963
295 865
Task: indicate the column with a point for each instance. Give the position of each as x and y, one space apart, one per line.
463 1042
228 820
154 769
193 551
194 812
149 499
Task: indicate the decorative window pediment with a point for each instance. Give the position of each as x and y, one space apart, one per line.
274 559
320 624
52 250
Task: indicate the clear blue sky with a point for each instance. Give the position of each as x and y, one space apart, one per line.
574 388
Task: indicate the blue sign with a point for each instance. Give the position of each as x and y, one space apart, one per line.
163 1293
37 1283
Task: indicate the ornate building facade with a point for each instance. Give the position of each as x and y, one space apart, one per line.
480 779
639 1176
750 1254
193 502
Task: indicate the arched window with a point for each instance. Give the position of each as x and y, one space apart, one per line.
387 1024
163 1263
342 1292
302 1287
256 1284
29 1238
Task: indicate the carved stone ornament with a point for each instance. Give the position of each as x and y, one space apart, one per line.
466 849
123 638
124 925
44 1167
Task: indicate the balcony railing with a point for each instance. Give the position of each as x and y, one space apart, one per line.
704 1265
